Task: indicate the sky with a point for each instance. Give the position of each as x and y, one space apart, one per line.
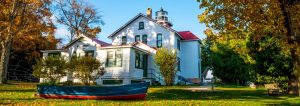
115 13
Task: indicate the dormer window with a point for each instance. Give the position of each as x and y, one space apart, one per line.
141 25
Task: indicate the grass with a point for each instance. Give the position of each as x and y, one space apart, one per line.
23 94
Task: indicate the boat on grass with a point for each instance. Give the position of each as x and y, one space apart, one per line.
131 91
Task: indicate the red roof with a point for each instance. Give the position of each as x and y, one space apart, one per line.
103 44
187 35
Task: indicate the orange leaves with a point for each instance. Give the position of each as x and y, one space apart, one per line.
29 22
260 17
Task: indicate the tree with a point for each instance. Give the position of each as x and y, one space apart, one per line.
51 69
167 62
273 65
207 61
21 19
87 69
25 50
80 18
228 57
278 18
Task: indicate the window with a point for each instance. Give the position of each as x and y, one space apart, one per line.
112 82
89 53
137 38
178 64
124 40
199 51
74 54
144 39
110 59
138 60
118 58
85 46
178 44
114 58
159 40
136 81
141 25
57 54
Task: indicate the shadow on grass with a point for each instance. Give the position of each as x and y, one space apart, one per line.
14 90
5 104
236 95
20 99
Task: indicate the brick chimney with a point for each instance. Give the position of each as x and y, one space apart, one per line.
149 12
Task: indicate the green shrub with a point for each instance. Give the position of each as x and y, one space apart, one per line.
167 62
52 69
87 69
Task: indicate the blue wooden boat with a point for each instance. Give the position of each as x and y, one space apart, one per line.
131 91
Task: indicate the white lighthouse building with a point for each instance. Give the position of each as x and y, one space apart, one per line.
129 58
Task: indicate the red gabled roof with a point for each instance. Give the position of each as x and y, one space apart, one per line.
103 44
187 35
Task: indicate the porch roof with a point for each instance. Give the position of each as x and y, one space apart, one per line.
51 51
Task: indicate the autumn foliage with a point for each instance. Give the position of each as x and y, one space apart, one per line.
258 20
25 25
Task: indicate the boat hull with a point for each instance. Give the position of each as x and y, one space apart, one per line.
132 91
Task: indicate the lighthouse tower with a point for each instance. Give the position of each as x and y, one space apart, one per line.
161 17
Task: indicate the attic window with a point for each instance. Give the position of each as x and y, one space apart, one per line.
141 25
85 46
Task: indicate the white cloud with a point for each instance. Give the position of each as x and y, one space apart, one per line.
62 33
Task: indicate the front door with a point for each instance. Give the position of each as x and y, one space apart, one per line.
145 65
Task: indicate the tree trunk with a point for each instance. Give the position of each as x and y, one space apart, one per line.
298 84
4 60
296 64
2 64
292 86
291 41
296 68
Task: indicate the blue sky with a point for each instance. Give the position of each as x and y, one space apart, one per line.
182 13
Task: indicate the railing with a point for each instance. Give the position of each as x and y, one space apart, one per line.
181 78
154 75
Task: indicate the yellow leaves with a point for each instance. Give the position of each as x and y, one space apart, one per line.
30 20
202 17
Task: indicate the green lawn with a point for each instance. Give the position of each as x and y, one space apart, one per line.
23 94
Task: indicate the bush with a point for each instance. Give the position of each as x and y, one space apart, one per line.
52 69
167 62
87 69
67 83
